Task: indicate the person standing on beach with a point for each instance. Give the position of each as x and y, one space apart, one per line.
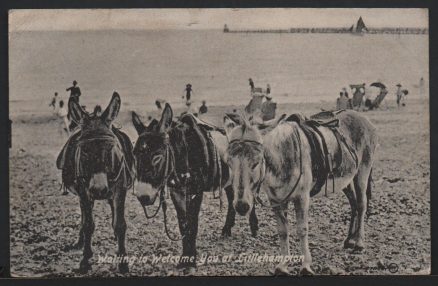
344 91
251 84
75 91
159 103
268 108
62 113
203 108
54 100
399 94
188 90
268 89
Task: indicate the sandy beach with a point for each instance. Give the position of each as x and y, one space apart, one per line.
43 222
144 63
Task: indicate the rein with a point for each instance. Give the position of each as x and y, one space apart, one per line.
162 204
114 142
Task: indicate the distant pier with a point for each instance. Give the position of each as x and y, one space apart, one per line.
412 31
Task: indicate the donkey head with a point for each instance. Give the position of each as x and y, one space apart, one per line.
246 161
100 155
150 152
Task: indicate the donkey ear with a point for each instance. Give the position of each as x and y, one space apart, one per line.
77 114
236 118
138 125
229 125
166 118
113 108
153 125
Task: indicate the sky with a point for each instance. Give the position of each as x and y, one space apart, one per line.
190 19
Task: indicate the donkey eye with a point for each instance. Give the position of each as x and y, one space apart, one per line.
156 159
255 165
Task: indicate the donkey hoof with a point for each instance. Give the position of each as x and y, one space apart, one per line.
74 246
305 271
254 232
280 271
84 267
226 232
189 271
123 268
186 265
349 243
358 248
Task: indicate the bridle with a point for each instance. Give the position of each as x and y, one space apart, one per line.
113 141
169 170
256 194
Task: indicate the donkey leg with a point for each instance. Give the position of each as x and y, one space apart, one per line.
253 222
280 214
360 184
349 192
88 228
301 205
188 225
110 202
119 226
80 243
231 213
194 209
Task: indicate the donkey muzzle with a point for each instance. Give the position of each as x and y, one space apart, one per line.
145 193
242 207
98 186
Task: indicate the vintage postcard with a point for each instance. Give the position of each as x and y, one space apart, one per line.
219 142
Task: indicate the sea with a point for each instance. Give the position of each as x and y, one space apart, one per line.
145 65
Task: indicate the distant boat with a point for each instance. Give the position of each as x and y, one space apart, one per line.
359 28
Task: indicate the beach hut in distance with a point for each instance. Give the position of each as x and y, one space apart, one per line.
359 28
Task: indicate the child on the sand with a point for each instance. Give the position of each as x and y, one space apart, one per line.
62 113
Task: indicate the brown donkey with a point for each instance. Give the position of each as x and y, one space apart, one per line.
279 162
97 164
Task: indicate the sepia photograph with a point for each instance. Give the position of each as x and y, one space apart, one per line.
219 142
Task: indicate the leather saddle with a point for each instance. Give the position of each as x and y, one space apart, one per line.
66 158
322 160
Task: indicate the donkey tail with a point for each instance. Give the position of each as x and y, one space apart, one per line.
368 192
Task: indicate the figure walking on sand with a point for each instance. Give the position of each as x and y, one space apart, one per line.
159 103
343 102
251 85
62 113
203 108
268 108
188 90
75 91
399 94
54 100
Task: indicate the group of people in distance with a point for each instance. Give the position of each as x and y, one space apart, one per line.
364 100
267 107
188 96
60 108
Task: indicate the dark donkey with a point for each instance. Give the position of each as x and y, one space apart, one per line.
97 164
182 156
